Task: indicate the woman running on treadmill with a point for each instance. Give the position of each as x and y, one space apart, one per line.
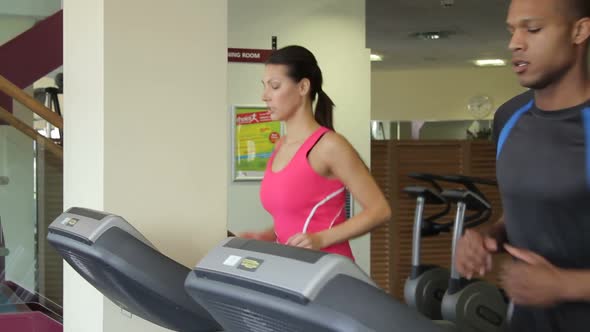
312 166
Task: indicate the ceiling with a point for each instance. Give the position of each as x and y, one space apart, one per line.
477 30
477 25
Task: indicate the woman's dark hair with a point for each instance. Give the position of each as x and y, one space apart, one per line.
578 8
583 7
302 64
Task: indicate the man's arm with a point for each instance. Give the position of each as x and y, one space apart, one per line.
476 247
498 232
576 284
535 281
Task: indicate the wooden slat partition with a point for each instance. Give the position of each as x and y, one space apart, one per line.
49 206
380 237
391 162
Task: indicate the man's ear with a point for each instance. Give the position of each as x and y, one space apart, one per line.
581 31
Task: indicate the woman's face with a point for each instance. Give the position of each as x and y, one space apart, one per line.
282 95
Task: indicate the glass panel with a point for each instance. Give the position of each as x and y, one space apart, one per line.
31 196
17 206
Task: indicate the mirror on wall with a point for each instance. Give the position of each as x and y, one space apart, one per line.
432 130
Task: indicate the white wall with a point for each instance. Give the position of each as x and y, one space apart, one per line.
12 26
171 122
17 16
334 30
17 204
32 8
437 94
145 90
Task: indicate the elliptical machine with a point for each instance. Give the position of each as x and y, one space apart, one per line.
425 287
473 305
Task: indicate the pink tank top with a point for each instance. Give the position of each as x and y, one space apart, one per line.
302 201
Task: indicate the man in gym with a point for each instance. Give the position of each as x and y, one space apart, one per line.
543 172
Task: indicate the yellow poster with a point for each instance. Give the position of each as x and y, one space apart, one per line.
255 135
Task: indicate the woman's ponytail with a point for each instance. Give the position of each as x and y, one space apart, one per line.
323 110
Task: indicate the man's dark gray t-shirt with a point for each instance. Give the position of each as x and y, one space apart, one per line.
543 173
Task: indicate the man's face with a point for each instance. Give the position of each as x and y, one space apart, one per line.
542 42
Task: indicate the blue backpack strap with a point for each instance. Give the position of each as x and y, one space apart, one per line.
586 115
509 125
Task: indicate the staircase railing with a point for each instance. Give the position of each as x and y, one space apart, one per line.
36 107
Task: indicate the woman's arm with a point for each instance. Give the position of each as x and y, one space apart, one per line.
340 160
265 235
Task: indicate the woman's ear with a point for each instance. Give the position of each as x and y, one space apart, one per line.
304 86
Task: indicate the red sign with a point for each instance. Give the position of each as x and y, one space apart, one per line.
249 118
247 55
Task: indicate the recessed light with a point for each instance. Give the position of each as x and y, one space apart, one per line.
432 35
375 57
490 62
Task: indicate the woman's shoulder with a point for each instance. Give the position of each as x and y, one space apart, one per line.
333 142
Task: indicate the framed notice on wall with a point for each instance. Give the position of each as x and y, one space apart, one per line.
254 138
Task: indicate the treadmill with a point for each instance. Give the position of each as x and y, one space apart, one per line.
124 266
256 286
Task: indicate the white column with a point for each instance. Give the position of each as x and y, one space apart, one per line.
146 131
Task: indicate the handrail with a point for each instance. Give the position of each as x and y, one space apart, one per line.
19 95
32 133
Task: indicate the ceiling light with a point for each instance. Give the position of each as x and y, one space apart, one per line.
490 63
375 57
432 35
